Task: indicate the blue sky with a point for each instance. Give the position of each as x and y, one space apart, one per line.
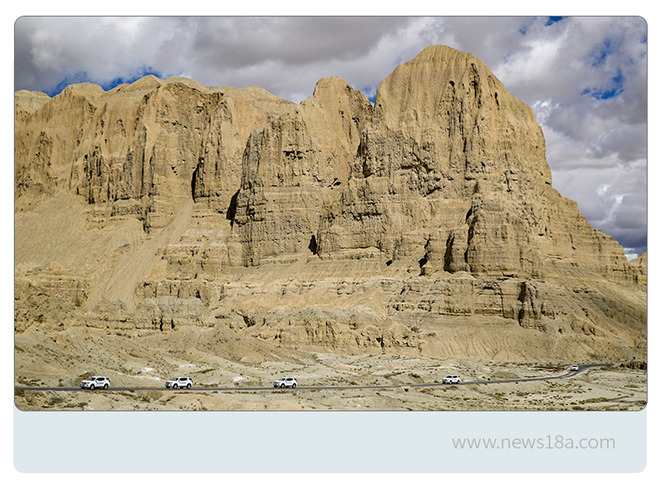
585 77
83 76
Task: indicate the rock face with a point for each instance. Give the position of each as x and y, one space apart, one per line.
426 221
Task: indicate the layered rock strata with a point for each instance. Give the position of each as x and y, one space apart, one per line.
426 221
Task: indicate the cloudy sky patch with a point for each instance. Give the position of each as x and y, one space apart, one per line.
585 77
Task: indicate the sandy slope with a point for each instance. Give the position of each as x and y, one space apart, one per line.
120 283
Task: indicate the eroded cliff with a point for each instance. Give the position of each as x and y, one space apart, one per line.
425 222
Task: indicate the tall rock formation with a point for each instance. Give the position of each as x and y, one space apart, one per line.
426 221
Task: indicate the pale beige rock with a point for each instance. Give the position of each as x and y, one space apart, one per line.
425 224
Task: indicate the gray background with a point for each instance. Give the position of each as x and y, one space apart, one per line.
319 442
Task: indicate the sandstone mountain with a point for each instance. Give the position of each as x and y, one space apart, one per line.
425 223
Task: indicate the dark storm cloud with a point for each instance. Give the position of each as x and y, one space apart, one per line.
240 42
213 50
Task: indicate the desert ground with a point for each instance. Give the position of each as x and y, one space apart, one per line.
63 358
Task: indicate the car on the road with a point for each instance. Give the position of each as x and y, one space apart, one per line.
95 382
450 379
285 383
179 382
574 367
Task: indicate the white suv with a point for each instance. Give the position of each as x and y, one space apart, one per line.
452 378
182 382
285 383
95 382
